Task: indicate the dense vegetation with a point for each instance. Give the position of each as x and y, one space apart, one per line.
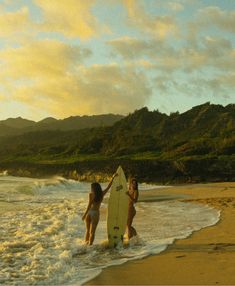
199 144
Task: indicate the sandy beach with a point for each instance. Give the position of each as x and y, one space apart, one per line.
207 257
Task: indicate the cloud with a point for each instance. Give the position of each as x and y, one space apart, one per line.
196 86
28 70
12 23
215 52
49 75
216 86
2 97
158 25
175 6
72 18
40 59
113 87
61 79
228 80
130 48
94 90
206 69
154 54
215 16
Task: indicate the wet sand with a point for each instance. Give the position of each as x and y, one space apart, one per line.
207 257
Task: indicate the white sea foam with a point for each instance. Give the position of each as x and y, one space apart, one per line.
43 245
4 173
146 186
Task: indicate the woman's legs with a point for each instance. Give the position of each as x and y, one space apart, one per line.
94 223
131 231
91 224
88 225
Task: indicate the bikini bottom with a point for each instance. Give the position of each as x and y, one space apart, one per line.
93 214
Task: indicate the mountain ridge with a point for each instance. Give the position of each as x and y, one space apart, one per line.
202 130
17 126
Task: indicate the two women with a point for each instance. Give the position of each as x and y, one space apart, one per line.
92 213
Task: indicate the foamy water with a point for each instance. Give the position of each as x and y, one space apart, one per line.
43 244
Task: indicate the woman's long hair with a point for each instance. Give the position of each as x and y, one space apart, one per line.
96 189
131 180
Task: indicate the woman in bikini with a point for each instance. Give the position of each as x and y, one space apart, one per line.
92 213
133 194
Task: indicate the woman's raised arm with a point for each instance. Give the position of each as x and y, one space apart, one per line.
109 185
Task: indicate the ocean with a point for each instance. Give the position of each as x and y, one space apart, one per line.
41 231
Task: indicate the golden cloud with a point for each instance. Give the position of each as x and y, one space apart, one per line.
159 25
49 75
95 90
72 18
40 59
12 23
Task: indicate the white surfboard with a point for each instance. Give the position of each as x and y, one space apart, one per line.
117 209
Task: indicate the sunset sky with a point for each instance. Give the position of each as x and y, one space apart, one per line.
73 57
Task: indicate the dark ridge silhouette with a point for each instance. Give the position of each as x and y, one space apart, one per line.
16 126
17 122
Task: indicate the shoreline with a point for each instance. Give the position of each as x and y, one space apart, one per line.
105 177
156 170
206 257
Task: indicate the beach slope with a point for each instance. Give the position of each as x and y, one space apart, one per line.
207 257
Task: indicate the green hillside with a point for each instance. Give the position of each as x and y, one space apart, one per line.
204 132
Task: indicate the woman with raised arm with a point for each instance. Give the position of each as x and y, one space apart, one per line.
92 213
133 194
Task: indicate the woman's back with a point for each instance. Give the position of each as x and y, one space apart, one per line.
95 205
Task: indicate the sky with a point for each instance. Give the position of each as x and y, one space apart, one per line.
74 57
